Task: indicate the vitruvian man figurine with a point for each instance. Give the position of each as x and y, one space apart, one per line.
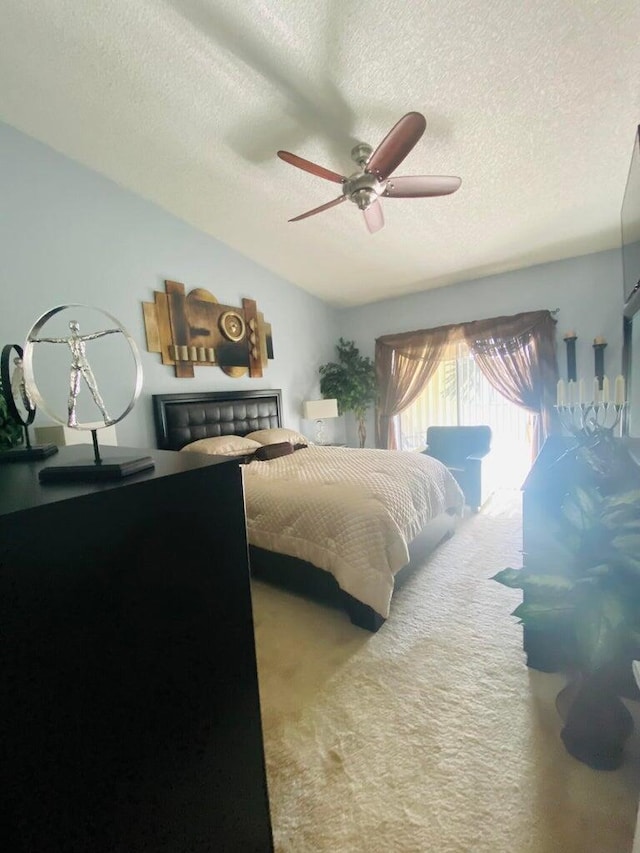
80 368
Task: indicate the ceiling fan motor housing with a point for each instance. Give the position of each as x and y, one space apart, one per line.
363 189
361 153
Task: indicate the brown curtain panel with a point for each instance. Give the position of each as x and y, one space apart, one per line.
404 364
517 354
518 357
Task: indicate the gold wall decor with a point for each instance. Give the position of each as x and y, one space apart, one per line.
195 329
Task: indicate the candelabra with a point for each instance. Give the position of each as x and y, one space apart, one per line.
590 422
597 443
594 420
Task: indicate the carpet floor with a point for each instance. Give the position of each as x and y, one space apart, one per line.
431 735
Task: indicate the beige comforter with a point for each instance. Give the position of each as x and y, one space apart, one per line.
350 512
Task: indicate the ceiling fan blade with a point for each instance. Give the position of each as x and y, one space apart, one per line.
374 217
396 145
421 186
319 209
308 166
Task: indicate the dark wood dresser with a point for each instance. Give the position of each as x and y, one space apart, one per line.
551 475
129 707
555 471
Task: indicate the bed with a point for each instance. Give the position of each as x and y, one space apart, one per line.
341 524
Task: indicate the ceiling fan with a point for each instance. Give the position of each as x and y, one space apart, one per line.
373 180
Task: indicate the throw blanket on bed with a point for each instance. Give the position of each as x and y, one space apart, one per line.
350 512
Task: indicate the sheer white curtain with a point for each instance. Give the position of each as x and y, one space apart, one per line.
459 394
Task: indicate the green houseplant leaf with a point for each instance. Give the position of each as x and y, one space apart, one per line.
628 543
537 614
534 581
600 629
351 381
11 432
585 576
581 507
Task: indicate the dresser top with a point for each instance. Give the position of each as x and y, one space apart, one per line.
20 488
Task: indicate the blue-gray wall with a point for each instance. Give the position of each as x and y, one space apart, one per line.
69 235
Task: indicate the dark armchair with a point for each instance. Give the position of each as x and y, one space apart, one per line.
461 449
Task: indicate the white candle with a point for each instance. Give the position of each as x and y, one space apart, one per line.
605 389
619 391
581 393
560 393
596 390
573 393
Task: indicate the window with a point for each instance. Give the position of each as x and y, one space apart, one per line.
458 394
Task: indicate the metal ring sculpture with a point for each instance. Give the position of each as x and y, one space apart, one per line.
5 374
33 339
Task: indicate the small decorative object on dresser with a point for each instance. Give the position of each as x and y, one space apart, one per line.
121 357
20 410
11 433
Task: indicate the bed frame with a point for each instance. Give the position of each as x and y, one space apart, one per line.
183 418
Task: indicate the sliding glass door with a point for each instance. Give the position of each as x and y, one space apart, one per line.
459 394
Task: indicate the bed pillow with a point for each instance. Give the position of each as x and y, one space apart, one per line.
224 445
277 435
272 451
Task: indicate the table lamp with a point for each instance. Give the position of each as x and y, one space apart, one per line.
318 411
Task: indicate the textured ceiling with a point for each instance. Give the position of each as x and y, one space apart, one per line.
533 104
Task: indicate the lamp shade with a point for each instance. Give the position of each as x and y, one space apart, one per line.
314 410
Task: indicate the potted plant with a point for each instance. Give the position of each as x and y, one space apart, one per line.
583 586
11 432
352 382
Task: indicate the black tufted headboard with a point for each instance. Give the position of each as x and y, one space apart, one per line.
182 418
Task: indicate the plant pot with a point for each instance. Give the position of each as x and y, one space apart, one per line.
362 433
596 722
621 675
548 650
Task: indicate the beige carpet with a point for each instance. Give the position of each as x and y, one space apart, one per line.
431 735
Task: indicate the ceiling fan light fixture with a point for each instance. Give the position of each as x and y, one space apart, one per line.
364 197
362 189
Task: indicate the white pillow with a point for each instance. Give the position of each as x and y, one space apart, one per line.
224 445
278 435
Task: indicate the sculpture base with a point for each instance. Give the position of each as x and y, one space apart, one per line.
116 468
28 454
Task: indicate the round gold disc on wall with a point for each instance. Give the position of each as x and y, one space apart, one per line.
232 326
